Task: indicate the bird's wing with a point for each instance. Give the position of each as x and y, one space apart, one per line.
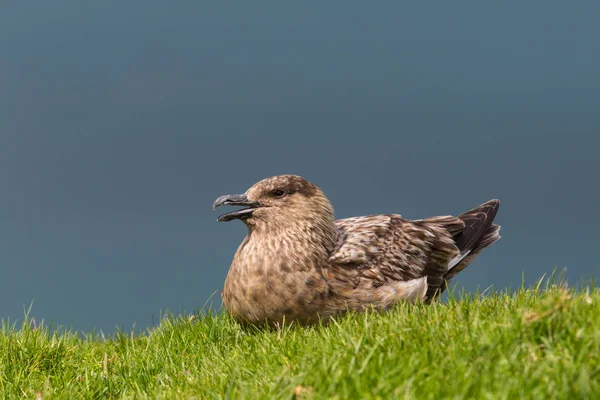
359 239
389 248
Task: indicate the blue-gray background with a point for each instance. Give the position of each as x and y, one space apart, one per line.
121 123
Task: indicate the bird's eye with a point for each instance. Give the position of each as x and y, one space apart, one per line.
279 194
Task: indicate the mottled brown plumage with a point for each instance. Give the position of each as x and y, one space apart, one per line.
298 263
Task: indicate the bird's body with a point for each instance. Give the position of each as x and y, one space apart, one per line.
298 264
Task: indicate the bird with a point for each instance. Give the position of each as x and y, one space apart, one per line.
298 264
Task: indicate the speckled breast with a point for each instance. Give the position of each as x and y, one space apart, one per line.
258 292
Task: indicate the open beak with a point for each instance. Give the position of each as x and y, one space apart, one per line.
235 200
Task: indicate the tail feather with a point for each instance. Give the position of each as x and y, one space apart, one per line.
471 231
491 236
479 232
478 227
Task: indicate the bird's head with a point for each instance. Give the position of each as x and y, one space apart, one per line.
278 202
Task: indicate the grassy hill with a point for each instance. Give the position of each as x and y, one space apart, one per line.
529 344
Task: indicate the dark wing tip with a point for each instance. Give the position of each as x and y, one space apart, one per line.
477 222
494 203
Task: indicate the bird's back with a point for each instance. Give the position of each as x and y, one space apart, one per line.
374 252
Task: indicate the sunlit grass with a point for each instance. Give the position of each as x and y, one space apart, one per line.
538 343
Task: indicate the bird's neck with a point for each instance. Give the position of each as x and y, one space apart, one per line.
304 243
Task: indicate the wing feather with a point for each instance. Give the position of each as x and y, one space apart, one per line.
382 249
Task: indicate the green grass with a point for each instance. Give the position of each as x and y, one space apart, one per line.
533 343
